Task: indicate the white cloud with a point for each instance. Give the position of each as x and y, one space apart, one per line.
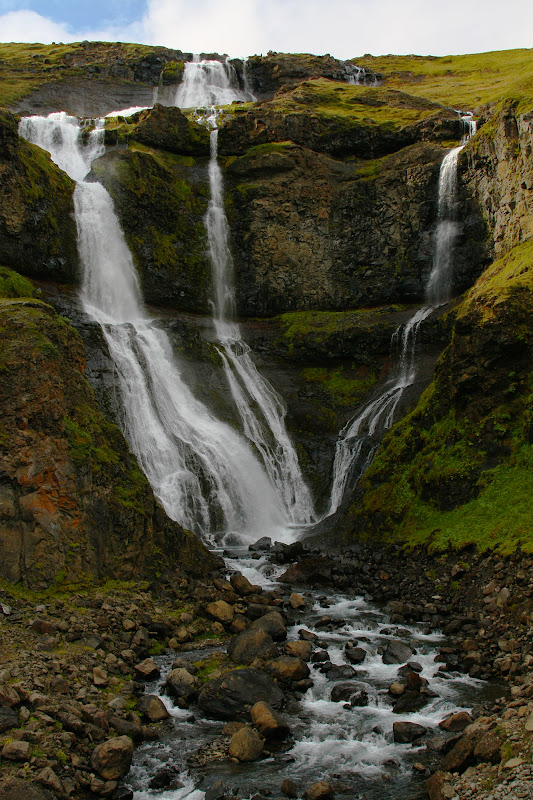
344 28
28 26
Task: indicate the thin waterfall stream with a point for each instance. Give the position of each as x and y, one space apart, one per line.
359 440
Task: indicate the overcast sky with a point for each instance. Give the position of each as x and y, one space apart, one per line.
344 28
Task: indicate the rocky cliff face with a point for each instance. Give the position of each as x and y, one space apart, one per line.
72 497
37 228
497 170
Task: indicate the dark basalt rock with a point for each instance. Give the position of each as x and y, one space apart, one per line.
232 695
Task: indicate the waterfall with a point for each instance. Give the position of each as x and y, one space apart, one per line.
247 82
205 475
260 408
360 438
208 83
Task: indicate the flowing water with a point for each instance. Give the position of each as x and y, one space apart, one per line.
351 746
204 473
260 408
359 440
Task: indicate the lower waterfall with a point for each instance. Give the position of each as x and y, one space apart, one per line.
360 438
204 473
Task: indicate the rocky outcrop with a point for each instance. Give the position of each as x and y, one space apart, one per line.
72 497
37 228
311 232
161 200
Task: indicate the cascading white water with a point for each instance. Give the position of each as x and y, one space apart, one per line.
208 83
204 473
359 439
247 82
261 410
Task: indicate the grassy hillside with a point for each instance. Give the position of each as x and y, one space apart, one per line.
458 470
466 81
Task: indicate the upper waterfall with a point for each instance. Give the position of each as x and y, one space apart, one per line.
208 83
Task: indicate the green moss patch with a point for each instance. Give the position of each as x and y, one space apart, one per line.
14 285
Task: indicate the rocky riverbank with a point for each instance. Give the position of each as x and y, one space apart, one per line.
74 665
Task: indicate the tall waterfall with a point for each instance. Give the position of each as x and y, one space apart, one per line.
261 409
360 438
208 83
205 474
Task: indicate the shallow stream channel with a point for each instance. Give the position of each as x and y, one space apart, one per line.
341 728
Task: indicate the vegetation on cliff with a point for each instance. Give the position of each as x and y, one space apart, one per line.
458 469
72 497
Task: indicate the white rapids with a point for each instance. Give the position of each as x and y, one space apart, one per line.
360 438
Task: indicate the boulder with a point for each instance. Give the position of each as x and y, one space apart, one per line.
262 544
246 745
252 644
405 732
344 691
234 693
112 759
241 584
359 699
410 701
273 624
151 707
289 788
268 722
180 683
456 723
320 791
147 670
17 751
220 611
8 719
355 655
340 672
286 668
397 653
489 748
299 649
296 601
9 697
461 756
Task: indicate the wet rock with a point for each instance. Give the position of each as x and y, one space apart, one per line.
220 611
320 791
217 791
151 707
17 751
320 657
410 701
396 689
147 670
359 699
340 672
307 636
273 624
180 683
246 745
397 653
286 668
251 644
344 691
8 719
456 723
299 649
232 695
262 544
296 601
241 584
166 778
127 727
268 722
406 732
355 655
289 788
122 793
112 759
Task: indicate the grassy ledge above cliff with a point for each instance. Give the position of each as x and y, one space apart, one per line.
464 81
458 470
